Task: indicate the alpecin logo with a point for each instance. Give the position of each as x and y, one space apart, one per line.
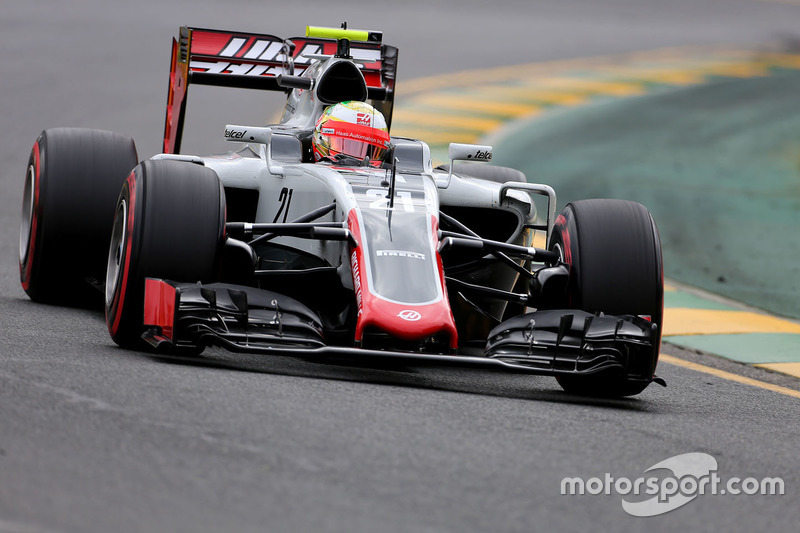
408 314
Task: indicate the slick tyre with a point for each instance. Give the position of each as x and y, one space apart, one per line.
613 251
71 186
170 224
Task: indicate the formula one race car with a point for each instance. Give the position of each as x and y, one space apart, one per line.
323 236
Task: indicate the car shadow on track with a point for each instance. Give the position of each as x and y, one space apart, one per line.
495 383
484 382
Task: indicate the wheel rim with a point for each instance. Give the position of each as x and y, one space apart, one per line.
557 248
115 251
26 225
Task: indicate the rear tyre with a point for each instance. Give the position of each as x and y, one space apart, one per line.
71 186
170 224
613 251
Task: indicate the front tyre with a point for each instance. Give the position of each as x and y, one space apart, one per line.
170 224
613 251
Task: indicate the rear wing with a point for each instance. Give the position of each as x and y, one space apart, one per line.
254 61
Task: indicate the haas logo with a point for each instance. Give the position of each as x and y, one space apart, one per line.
408 314
363 119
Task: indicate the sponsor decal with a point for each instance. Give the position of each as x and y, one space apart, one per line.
481 155
360 137
233 47
242 48
364 119
239 53
400 253
410 315
328 131
671 484
234 134
266 51
241 69
308 49
356 278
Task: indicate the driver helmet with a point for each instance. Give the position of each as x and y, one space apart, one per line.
351 128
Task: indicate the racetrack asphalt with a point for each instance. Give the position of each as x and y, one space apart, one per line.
98 439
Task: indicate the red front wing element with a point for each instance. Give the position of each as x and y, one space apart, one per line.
160 299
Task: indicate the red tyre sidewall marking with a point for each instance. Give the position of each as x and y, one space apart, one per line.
115 313
26 268
566 240
561 222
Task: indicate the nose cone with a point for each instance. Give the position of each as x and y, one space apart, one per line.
398 277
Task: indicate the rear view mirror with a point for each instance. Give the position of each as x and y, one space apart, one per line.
467 152
247 134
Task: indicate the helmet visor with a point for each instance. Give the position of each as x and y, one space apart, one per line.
356 140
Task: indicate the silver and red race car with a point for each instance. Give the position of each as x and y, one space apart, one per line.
269 250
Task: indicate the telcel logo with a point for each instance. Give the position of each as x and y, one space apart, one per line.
408 314
234 134
481 154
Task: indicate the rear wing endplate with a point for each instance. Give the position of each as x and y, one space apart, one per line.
254 61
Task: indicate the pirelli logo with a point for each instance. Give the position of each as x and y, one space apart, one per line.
400 253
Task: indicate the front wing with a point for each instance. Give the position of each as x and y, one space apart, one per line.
246 319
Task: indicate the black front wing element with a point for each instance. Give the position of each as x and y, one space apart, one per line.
246 319
237 317
577 342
